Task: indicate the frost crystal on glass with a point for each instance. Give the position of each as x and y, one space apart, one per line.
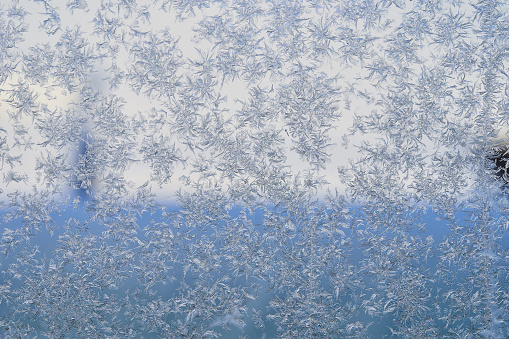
254 169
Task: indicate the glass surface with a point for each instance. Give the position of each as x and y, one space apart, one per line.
254 169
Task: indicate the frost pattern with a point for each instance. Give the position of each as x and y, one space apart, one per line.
166 169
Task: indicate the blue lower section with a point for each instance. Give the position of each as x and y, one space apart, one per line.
263 273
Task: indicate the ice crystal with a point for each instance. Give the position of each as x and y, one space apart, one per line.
289 169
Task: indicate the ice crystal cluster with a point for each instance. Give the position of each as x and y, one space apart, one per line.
253 169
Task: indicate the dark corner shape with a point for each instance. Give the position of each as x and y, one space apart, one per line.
499 156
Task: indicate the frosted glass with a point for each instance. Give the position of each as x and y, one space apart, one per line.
254 169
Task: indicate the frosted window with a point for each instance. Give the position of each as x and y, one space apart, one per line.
254 169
